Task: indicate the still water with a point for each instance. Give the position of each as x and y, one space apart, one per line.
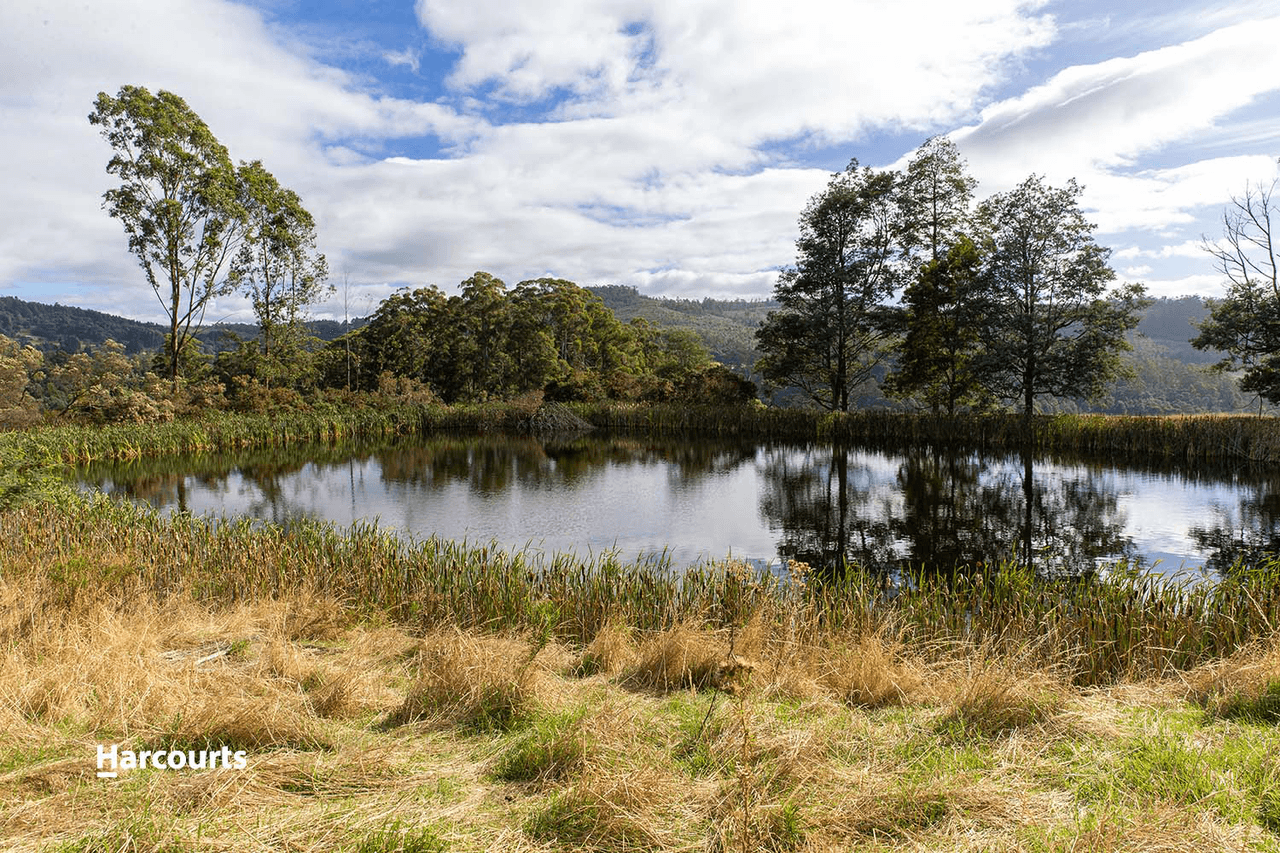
765 502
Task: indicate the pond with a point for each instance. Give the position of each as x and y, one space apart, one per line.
761 501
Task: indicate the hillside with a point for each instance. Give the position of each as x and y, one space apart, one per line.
726 326
1172 323
1170 374
51 327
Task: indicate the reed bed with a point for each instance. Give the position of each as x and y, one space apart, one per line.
221 431
1121 625
1175 437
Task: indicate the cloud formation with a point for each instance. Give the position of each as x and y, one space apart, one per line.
657 143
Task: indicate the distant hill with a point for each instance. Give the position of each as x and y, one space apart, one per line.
1172 323
51 327
726 326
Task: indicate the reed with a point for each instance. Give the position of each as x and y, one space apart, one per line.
223 431
1173 437
1121 625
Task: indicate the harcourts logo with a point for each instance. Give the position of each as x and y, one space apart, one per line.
113 759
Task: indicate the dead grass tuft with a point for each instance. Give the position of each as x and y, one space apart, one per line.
609 651
869 671
633 810
994 696
679 658
1246 684
310 615
481 681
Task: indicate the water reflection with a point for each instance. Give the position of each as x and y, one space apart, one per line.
1243 531
816 503
939 511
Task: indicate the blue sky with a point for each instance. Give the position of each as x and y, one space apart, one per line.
665 144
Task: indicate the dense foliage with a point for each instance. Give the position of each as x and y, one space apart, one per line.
1010 303
488 342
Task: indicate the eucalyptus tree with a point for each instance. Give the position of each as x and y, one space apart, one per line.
485 329
278 268
832 328
177 201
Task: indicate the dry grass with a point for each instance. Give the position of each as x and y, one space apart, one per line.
871 670
364 737
609 651
484 681
1245 684
684 656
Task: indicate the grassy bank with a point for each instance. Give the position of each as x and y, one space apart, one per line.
431 696
1097 631
364 735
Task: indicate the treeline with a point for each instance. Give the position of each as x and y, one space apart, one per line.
1163 373
487 343
904 293
490 342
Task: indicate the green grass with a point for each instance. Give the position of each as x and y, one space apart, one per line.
396 837
553 747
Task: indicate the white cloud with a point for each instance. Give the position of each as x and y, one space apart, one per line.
1109 113
747 71
407 57
651 146
1200 284
1185 249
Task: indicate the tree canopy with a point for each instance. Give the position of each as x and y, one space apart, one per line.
1052 328
177 201
828 336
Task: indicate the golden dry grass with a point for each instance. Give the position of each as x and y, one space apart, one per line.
363 736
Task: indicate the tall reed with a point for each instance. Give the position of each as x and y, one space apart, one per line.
1180 437
1123 624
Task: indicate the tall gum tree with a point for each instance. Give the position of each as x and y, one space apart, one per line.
830 333
278 267
177 201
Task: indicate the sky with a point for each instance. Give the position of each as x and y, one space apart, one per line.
665 144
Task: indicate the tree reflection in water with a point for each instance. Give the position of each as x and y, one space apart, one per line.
948 510
1246 533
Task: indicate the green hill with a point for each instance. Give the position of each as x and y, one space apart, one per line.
52 327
